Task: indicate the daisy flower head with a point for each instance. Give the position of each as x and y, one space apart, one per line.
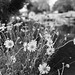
49 43
9 43
31 15
50 51
44 68
32 45
47 36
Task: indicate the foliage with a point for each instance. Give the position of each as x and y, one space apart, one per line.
28 42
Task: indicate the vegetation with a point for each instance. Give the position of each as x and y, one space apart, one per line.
35 43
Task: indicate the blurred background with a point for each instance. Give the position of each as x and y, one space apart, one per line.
8 7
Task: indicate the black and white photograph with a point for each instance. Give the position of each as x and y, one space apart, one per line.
37 37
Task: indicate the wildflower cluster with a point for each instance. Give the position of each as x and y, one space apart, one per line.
29 37
31 46
50 49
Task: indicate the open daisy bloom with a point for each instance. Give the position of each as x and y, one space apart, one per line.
32 15
44 68
50 51
47 36
9 43
32 45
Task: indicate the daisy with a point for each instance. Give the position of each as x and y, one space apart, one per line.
32 45
9 43
32 15
49 43
47 36
50 51
44 68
